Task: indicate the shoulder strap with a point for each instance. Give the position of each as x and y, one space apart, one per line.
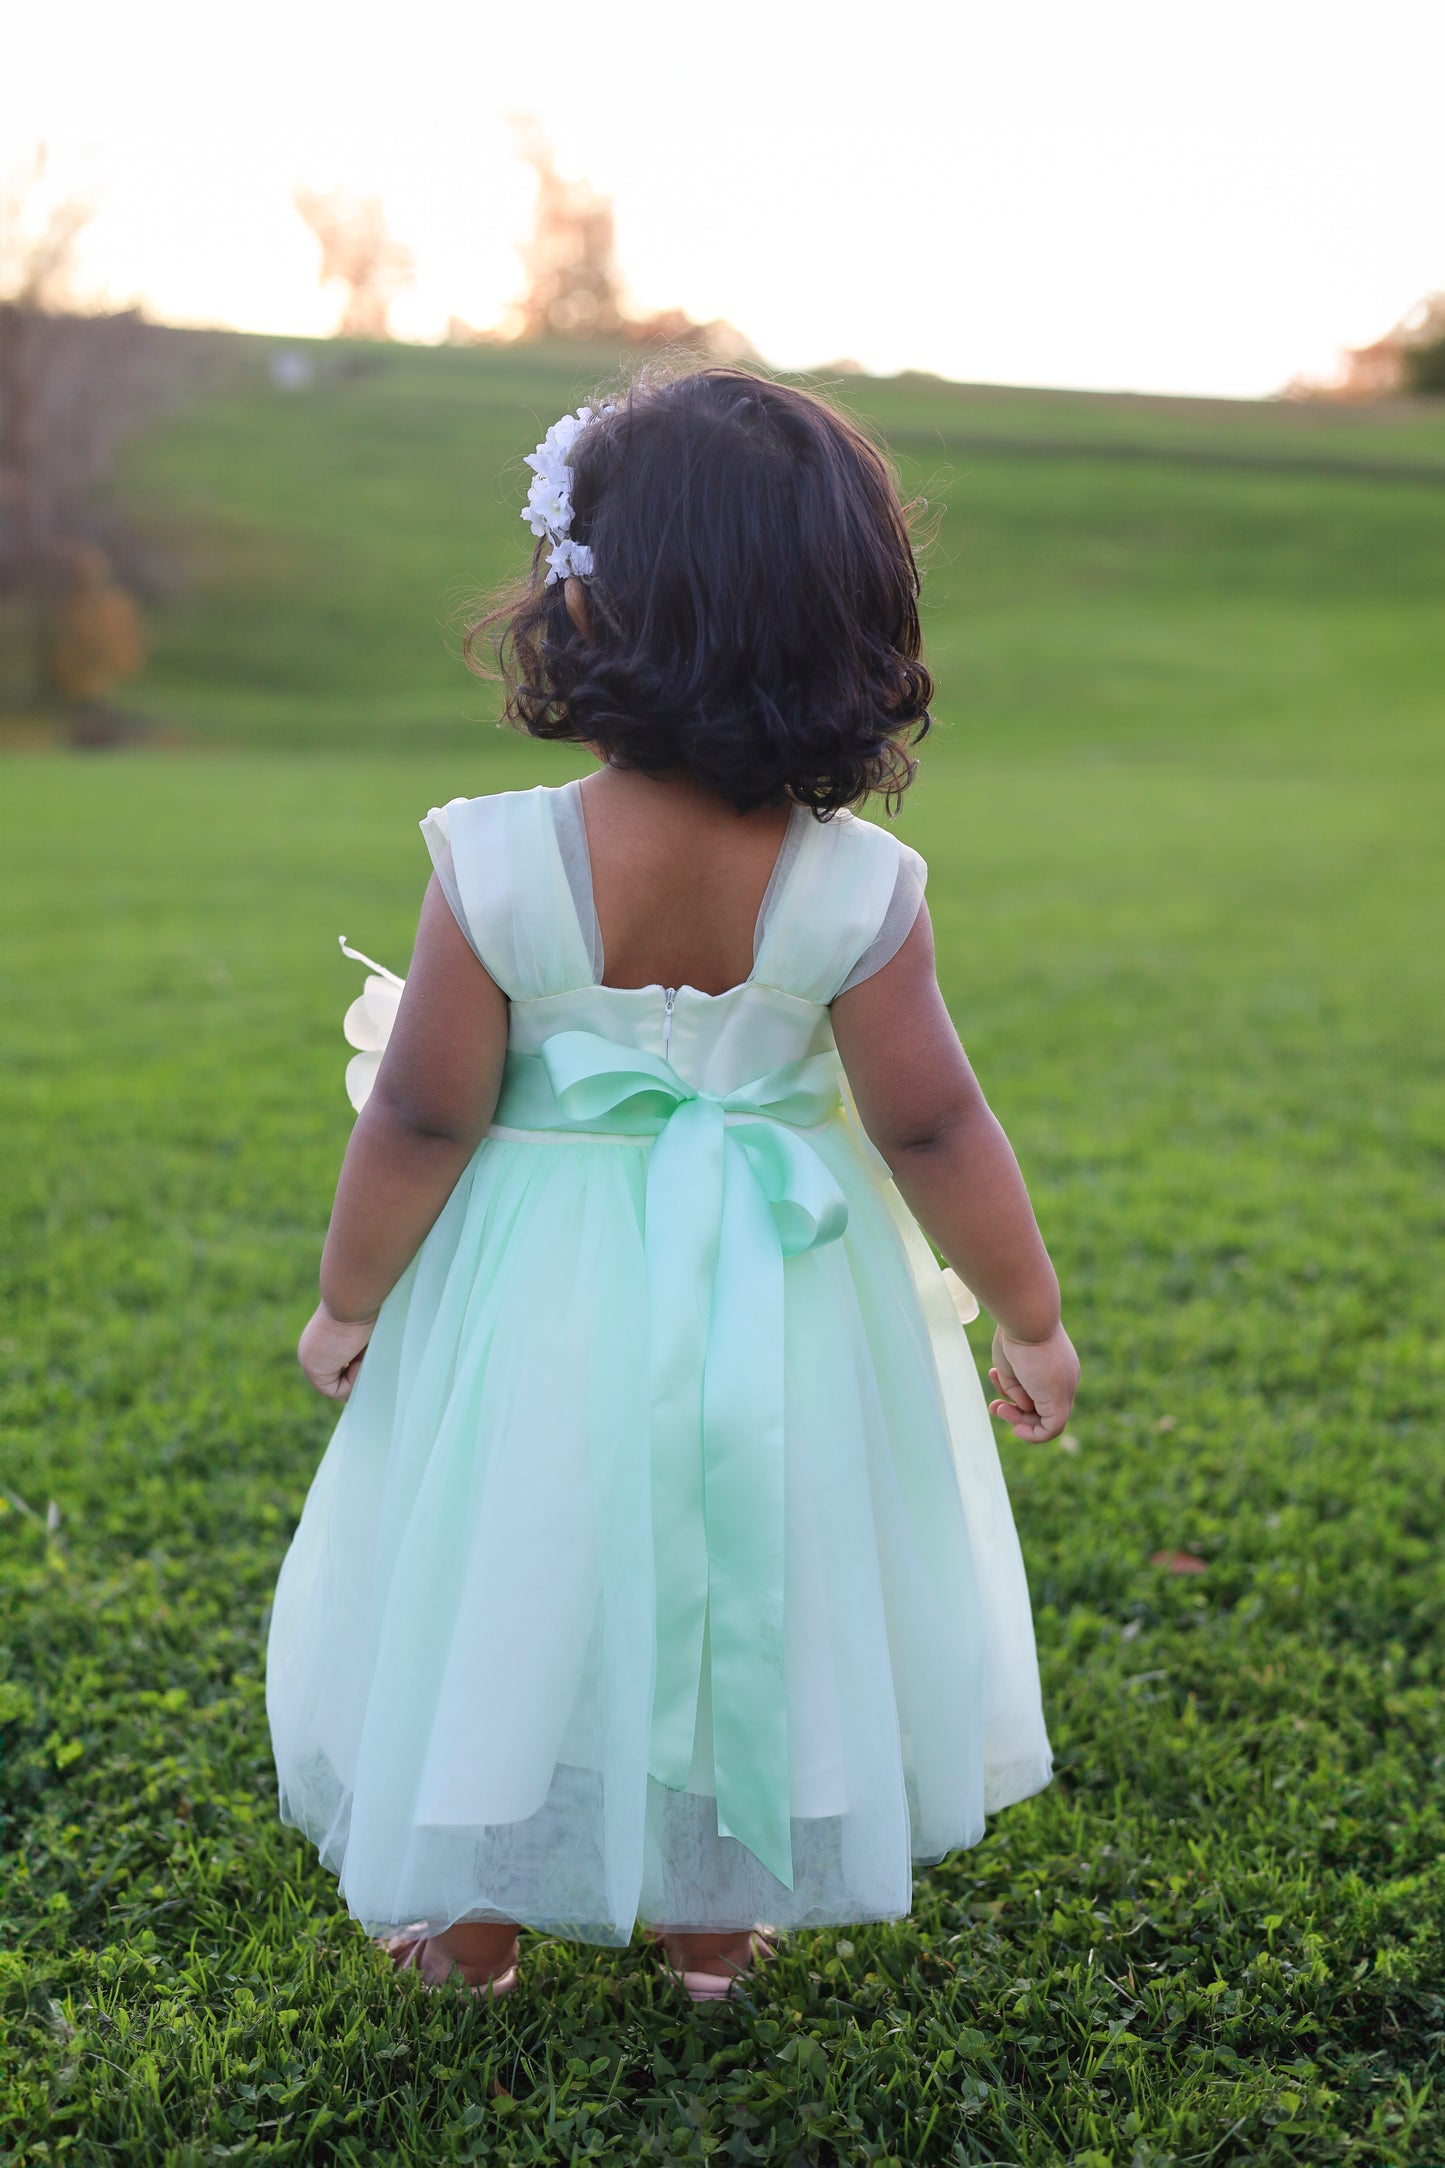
831 908
499 860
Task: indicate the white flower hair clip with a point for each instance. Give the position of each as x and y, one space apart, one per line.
549 500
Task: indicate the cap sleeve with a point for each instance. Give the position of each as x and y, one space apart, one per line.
436 831
500 868
903 907
837 901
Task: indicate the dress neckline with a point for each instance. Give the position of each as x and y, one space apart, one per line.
784 864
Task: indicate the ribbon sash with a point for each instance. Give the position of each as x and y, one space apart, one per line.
726 1203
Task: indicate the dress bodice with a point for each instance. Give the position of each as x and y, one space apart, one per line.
515 869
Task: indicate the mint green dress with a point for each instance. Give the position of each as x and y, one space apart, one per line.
660 1565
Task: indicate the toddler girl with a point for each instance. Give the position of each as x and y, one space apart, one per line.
660 1567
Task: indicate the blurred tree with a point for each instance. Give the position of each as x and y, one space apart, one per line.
38 240
1425 368
75 379
573 287
359 253
1425 353
1409 358
96 638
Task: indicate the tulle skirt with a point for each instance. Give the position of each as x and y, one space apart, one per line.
461 1656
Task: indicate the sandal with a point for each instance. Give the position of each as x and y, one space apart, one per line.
406 1949
717 1986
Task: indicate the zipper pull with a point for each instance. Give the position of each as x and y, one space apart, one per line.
671 994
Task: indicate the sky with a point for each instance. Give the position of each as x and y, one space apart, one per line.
1172 197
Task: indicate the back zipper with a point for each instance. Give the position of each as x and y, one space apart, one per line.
671 993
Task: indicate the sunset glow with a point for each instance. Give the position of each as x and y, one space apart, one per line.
1182 199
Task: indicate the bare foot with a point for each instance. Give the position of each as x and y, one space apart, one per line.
480 1950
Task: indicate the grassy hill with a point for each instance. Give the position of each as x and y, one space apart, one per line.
1182 818
1102 568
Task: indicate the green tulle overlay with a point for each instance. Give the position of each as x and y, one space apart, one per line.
660 1565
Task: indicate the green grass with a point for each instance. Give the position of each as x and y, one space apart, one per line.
323 543
1183 823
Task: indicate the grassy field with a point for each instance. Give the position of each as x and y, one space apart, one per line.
1182 816
1102 571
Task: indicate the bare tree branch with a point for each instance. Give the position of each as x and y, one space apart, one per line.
74 383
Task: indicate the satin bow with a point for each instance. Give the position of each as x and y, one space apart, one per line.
726 1202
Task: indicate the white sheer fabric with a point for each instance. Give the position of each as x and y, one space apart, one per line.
903 908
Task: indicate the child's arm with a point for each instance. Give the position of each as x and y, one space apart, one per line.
430 1105
921 1105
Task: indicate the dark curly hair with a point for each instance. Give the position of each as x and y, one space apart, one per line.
753 612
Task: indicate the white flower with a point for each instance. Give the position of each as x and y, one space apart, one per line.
567 560
367 1025
965 1301
549 506
549 499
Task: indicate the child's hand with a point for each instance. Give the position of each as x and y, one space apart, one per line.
331 1349
1036 1381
